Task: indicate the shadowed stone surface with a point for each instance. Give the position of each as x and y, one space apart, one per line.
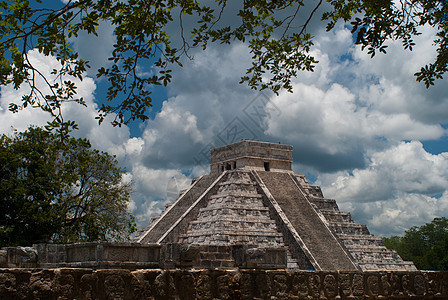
104 255
219 284
322 244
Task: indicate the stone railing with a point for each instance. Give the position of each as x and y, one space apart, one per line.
180 271
141 256
72 283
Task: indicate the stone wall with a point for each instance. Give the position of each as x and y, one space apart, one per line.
219 284
142 256
251 155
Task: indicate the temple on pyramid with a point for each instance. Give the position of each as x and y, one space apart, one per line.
253 208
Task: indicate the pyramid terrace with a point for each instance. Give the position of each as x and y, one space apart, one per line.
252 210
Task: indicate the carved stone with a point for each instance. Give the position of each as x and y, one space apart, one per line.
253 198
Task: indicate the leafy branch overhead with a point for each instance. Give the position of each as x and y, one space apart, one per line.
276 33
376 22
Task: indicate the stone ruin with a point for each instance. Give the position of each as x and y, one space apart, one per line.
250 211
253 200
251 229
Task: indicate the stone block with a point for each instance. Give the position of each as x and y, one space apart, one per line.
189 255
227 264
3 258
219 284
266 258
83 252
49 254
206 264
21 257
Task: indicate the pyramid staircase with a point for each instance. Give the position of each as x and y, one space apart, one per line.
235 215
251 198
368 251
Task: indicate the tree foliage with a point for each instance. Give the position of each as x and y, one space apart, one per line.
374 23
426 246
59 190
276 33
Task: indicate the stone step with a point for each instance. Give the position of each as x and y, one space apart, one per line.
234 209
369 257
349 228
337 216
291 263
324 203
362 241
386 263
154 231
236 194
241 232
237 182
212 214
387 266
360 237
313 191
319 240
232 219
354 249
200 227
218 239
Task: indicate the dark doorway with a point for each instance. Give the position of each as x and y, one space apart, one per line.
266 166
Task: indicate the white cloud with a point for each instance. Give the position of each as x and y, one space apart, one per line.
349 116
394 216
406 167
154 191
347 119
401 186
333 121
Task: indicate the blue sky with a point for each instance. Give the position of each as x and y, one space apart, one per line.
363 129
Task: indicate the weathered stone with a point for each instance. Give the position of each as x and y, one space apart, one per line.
299 288
163 286
330 286
420 285
315 285
246 223
25 257
8 286
252 197
3 258
373 288
88 286
280 286
219 284
64 284
185 284
41 284
204 287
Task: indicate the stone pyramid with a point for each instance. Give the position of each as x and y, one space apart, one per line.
252 198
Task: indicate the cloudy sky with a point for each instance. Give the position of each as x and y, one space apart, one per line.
363 129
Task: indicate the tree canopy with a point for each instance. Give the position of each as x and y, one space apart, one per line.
276 32
426 246
60 190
